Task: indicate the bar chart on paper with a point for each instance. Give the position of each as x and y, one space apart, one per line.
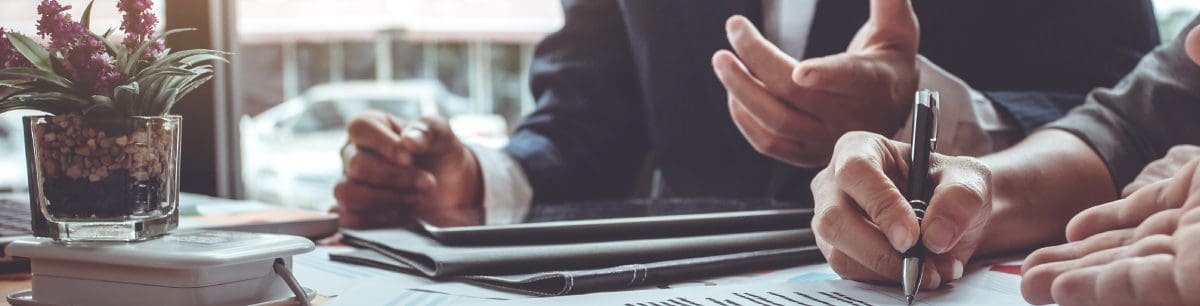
815 293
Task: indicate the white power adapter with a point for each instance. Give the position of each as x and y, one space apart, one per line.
194 267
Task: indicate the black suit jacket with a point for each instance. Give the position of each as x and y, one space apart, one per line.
623 79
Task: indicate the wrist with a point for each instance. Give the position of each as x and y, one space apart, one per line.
472 179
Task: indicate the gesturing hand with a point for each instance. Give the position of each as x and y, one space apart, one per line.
397 170
795 111
863 222
1143 250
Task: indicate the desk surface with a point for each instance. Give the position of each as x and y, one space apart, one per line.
10 283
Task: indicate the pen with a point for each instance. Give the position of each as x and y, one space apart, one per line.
923 142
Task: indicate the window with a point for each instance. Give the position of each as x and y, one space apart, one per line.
307 67
1173 15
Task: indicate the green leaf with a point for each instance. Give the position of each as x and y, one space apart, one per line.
98 99
51 102
155 96
18 93
125 98
27 73
188 58
99 103
164 71
137 54
31 50
44 86
169 102
56 62
56 107
86 20
188 88
60 96
15 84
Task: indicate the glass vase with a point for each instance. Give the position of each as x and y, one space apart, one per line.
103 179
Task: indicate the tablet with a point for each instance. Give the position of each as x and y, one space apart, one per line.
630 219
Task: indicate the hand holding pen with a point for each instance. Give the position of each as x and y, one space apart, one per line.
863 220
924 141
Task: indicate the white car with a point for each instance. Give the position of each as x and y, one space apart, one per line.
290 153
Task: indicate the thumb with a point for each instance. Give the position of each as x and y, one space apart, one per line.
893 24
1193 45
428 136
961 202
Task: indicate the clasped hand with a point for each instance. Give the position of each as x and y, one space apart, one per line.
398 170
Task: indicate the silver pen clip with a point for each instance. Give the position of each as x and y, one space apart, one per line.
932 100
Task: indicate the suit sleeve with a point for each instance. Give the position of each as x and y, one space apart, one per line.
1078 46
587 137
1147 113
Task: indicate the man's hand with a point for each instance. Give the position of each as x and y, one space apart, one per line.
1192 45
1144 250
795 111
397 170
1163 168
863 222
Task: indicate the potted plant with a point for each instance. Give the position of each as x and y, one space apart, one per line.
104 165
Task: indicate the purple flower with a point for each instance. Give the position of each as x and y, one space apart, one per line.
57 24
91 68
9 57
138 22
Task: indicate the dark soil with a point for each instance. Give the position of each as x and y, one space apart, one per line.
115 196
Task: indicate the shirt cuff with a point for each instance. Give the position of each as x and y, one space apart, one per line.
967 121
507 194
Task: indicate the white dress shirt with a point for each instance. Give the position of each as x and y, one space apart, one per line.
969 124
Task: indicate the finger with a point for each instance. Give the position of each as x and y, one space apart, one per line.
859 172
1192 45
845 229
1190 216
762 57
1124 213
1078 249
844 74
790 151
1037 281
943 266
373 131
896 24
771 113
1162 223
1138 183
1187 260
1131 281
960 202
429 135
1189 173
356 197
415 137
847 268
370 168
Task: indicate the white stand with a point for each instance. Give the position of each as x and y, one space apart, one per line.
184 268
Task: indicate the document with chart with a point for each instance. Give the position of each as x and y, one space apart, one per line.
994 285
817 293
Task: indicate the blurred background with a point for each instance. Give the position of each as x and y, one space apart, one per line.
270 126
